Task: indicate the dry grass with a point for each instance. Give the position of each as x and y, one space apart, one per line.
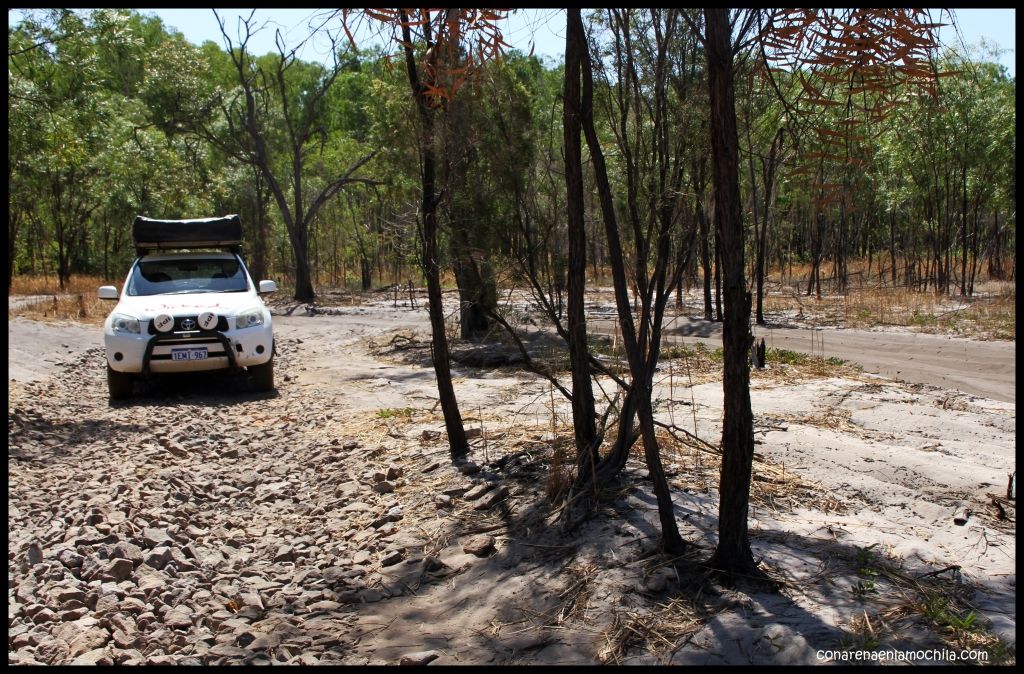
938 600
871 301
48 285
772 487
660 631
78 302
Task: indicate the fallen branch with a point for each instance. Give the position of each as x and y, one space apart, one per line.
484 529
702 444
953 567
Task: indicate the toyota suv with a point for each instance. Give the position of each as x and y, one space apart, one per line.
188 305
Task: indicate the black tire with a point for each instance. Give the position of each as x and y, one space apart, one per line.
121 385
263 375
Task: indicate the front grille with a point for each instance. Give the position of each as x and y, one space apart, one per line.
222 324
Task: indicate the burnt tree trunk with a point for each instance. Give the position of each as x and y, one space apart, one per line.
457 442
579 354
641 350
477 292
732 555
768 168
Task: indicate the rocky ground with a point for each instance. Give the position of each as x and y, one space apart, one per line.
200 523
204 525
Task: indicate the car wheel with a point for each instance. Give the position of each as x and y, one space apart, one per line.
263 375
120 384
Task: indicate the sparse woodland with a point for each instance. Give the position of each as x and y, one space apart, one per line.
672 149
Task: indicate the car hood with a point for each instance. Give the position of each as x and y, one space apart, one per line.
222 304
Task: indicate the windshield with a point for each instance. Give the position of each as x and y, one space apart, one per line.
191 275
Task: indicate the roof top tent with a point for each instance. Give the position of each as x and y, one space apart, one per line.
151 234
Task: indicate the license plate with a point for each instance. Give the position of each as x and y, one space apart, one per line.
188 354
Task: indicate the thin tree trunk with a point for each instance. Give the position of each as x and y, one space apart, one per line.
457 442
963 233
768 173
718 276
641 369
579 353
705 237
732 555
14 219
995 265
892 244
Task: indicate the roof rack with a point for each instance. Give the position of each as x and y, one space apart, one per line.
153 234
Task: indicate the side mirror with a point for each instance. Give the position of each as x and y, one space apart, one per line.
268 287
107 293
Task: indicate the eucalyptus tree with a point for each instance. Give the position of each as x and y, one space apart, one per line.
575 97
491 152
72 111
1001 154
282 87
981 110
765 136
732 554
383 223
836 41
647 46
141 170
25 145
449 47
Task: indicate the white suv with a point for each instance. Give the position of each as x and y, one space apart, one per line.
188 310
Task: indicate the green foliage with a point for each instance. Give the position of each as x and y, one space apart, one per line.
775 355
921 318
404 413
866 560
863 588
694 350
104 108
939 611
788 357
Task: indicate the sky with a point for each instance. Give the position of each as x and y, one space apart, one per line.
539 30
543 30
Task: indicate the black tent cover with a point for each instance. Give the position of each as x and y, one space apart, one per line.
201 232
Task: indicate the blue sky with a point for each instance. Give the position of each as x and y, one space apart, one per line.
541 29
544 29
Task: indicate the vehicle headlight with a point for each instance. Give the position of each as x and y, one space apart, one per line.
249 319
121 323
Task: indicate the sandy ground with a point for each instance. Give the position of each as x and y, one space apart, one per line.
882 466
984 368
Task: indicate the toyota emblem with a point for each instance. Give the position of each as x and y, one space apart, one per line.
188 324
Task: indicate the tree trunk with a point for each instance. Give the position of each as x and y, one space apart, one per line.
975 244
705 244
892 245
365 273
768 174
963 233
14 219
718 277
477 292
259 256
457 442
303 278
641 368
995 265
583 410
732 555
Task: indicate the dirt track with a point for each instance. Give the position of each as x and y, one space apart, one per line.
982 368
986 369
227 527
